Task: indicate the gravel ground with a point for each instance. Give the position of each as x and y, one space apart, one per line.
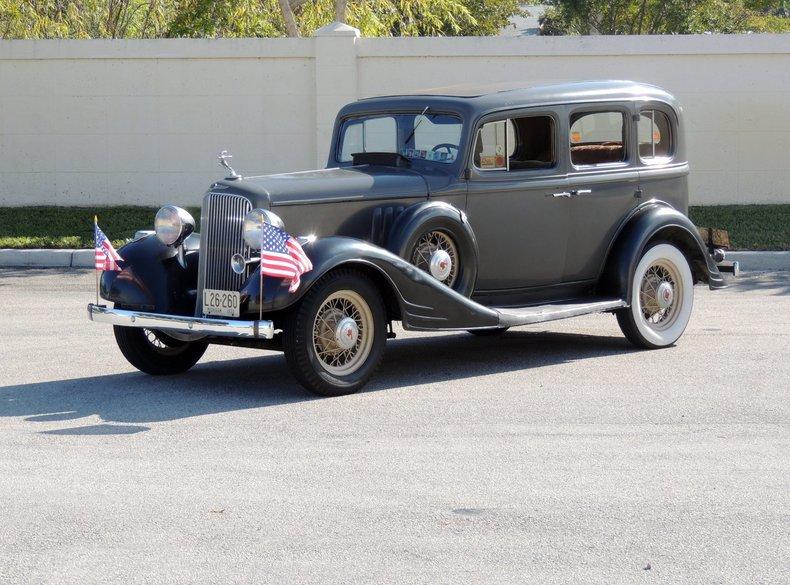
556 453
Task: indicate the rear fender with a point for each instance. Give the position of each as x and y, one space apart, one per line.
655 221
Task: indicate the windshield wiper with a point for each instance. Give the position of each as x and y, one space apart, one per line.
417 125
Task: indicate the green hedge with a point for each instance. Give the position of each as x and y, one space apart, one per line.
751 227
72 227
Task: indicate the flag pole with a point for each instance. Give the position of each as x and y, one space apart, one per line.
96 270
260 282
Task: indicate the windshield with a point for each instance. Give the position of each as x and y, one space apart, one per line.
430 137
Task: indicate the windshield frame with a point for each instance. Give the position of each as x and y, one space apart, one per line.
419 163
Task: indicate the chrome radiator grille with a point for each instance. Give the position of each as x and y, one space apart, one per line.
221 236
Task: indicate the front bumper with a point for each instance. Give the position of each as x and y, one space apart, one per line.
194 325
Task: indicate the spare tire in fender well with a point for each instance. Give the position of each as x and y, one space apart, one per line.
653 222
427 216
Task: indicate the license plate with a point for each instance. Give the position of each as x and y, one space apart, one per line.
221 302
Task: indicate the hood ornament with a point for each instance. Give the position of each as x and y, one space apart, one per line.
223 160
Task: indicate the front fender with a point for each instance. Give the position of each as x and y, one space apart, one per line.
655 221
423 301
154 278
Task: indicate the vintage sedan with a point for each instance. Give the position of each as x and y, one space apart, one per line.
454 209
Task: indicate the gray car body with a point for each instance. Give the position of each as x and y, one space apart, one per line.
529 248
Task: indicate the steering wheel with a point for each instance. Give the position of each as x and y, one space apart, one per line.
447 146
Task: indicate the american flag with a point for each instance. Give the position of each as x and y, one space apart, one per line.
105 256
282 256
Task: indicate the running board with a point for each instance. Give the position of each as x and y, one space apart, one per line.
542 313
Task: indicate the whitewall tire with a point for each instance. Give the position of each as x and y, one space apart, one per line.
662 298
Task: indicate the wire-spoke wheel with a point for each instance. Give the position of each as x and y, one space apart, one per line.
334 337
436 253
341 332
155 352
661 300
163 343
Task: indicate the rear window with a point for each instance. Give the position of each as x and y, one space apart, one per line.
656 143
597 138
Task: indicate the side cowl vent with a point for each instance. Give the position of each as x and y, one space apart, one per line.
383 218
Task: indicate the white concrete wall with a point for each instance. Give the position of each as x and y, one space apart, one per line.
141 122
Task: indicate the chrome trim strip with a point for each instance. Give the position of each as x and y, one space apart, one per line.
206 326
343 198
662 171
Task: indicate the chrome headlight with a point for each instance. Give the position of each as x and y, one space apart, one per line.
253 226
173 225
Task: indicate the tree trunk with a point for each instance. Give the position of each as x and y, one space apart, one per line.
288 17
340 10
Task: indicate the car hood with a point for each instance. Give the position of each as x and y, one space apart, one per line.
327 185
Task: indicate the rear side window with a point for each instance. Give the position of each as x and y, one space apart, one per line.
656 143
597 138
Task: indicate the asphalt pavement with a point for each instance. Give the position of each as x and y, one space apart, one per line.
554 454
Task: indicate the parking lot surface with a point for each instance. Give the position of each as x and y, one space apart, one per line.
556 453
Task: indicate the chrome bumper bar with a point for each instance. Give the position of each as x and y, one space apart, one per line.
205 326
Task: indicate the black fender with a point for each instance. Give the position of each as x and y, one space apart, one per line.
414 221
655 220
413 296
155 277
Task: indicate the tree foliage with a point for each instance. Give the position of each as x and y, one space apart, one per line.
246 18
618 17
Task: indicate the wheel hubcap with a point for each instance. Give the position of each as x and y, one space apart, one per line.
343 333
441 265
347 333
665 295
659 295
436 254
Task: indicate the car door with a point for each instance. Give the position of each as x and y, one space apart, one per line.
516 201
603 180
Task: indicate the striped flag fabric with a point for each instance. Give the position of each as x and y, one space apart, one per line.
105 256
282 256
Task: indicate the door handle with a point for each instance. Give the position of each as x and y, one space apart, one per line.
581 192
562 194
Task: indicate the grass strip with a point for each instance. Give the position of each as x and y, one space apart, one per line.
751 227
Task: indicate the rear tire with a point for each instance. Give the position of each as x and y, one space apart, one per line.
661 299
334 338
155 352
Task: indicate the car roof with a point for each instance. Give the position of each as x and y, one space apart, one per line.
482 98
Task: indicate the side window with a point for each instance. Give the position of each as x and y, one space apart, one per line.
516 144
533 143
597 138
491 146
654 130
369 135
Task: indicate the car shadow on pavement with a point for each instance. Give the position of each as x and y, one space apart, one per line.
775 283
129 400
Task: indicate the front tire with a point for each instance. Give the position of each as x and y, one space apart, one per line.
334 338
661 299
155 352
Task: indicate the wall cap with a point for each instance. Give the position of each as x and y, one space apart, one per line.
337 29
